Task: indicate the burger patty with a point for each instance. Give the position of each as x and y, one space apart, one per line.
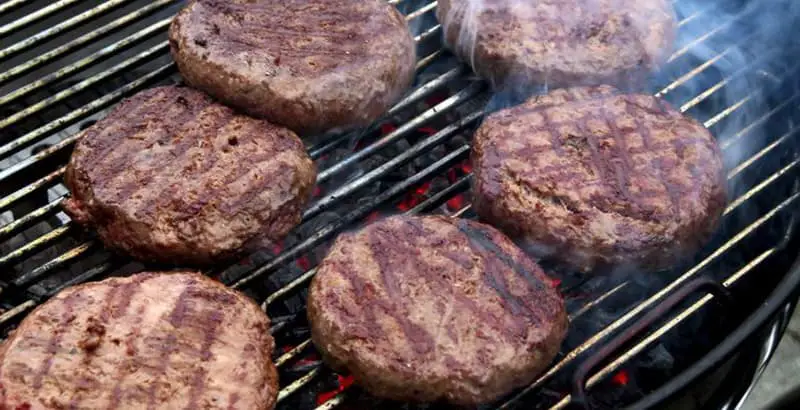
311 65
559 42
594 178
153 340
430 308
172 176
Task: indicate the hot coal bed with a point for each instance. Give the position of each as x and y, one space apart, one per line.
692 337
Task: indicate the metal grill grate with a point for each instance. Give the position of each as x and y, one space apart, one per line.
58 74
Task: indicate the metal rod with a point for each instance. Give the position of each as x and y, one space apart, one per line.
86 61
26 221
11 4
6 202
463 95
61 27
64 258
291 354
36 15
33 245
685 49
298 384
82 40
727 143
697 70
81 86
428 33
422 10
418 149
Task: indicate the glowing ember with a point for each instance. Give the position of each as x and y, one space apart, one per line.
304 263
427 130
455 203
621 378
387 128
373 216
344 382
414 197
277 248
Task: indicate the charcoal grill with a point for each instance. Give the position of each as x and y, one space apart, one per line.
668 339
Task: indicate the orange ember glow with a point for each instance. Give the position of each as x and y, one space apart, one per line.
344 382
387 128
455 203
304 263
621 378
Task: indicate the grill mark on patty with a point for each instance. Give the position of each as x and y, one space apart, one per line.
166 349
66 319
550 127
182 157
116 162
422 341
671 189
215 318
417 230
485 244
105 313
120 311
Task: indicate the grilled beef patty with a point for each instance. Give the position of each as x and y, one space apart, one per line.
558 42
430 308
153 340
594 178
311 65
174 177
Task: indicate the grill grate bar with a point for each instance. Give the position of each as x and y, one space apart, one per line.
6 202
61 27
757 156
82 40
434 112
35 16
14 227
647 341
418 149
708 34
39 272
33 245
11 4
122 66
724 145
110 50
422 10
702 67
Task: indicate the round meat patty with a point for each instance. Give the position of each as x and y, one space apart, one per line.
171 176
311 65
593 178
557 42
153 340
432 308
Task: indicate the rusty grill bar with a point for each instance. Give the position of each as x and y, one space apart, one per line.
140 57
